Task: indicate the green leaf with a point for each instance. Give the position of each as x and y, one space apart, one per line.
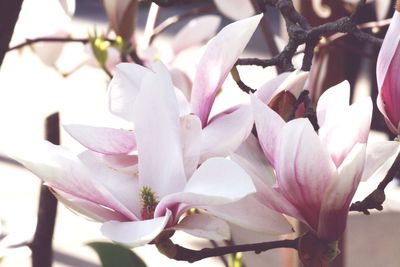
114 255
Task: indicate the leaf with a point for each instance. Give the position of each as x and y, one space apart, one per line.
114 255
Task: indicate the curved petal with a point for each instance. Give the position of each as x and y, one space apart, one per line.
294 83
337 198
191 136
182 81
215 64
64 171
136 233
224 134
87 208
300 179
387 75
250 157
103 140
208 186
196 31
267 90
124 87
342 132
333 101
269 127
123 186
204 226
158 134
235 9
249 213
380 157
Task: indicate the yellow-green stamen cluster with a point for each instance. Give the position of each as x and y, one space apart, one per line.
149 203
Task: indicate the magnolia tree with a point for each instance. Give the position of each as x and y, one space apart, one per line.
276 158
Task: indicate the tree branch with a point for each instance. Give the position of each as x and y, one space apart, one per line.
377 197
179 253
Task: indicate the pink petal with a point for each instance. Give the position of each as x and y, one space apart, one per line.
224 134
342 132
124 87
123 186
337 198
250 157
300 179
136 233
204 226
251 214
63 171
87 208
103 140
333 101
387 75
218 59
269 127
157 128
196 31
191 137
235 9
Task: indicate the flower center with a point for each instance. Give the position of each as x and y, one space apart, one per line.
149 203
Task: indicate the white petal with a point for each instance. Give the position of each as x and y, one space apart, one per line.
333 101
158 131
104 140
191 136
267 90
136 233
380 157
205 226
249 213
223 135
124 87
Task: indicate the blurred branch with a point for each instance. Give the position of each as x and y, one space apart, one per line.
9 11
377 197
175 19
41 246
179 253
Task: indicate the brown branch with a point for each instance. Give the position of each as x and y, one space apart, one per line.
300 32
377 197
179 253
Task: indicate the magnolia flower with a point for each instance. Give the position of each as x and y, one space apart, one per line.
218 136
316 174
139 196
387 75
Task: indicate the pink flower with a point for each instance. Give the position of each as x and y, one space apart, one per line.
387 74
316 174
139 195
